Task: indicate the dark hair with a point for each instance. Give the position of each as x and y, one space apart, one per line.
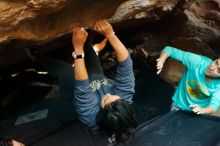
117 118
5 141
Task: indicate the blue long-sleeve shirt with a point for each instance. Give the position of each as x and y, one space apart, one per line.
88 96
193 88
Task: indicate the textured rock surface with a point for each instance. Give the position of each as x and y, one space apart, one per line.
31 21
204 19
42 20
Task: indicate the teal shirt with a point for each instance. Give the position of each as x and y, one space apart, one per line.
193 88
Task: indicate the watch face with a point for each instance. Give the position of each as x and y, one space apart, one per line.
76 56
79 56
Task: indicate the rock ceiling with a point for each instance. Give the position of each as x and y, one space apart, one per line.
41 20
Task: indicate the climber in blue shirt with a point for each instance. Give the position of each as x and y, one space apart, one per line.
99 101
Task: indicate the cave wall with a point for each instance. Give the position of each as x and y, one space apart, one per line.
41 20
28 22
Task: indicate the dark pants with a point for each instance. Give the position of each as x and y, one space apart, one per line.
64 72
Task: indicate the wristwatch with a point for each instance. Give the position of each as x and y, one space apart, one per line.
78 56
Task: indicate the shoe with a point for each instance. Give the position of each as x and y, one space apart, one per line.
98 47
